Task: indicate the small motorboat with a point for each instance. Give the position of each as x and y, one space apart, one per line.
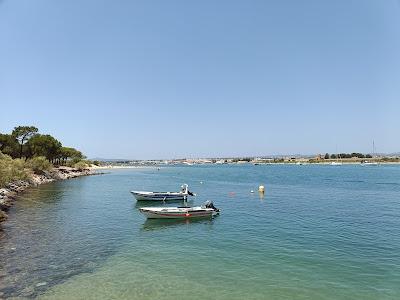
182 195
369 163
208 210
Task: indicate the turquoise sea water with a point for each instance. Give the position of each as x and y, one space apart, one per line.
319 232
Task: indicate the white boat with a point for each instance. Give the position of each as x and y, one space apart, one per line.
208 210
370 163
337 162
163 196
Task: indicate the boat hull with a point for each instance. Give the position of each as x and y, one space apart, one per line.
370 164
141 196
177 214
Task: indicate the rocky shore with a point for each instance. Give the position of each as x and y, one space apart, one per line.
9 194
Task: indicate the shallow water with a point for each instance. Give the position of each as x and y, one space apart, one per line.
319 232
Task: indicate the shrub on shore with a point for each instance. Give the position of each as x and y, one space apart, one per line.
39 164
81 165
11 169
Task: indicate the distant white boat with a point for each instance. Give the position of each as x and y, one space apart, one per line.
337 162
163 196
370 163
208 210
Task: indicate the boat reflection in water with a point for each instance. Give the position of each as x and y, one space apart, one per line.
157 224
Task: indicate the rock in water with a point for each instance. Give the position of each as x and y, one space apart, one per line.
41 283
3 216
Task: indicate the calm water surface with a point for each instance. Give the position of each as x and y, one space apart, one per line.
320 232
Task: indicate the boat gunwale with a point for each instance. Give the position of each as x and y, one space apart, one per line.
179 215
157 193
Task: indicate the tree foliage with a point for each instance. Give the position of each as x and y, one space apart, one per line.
358 155
23 134
70 153
9 145
25 141
43 145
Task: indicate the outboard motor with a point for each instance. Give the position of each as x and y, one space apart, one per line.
209 204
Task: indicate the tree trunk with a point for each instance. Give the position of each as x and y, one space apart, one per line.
20 149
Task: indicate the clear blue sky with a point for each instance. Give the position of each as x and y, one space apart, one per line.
165 79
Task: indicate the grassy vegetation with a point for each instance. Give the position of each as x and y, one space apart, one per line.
11 169
38 164
20 169
81 165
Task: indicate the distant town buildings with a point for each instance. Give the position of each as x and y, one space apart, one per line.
319 158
